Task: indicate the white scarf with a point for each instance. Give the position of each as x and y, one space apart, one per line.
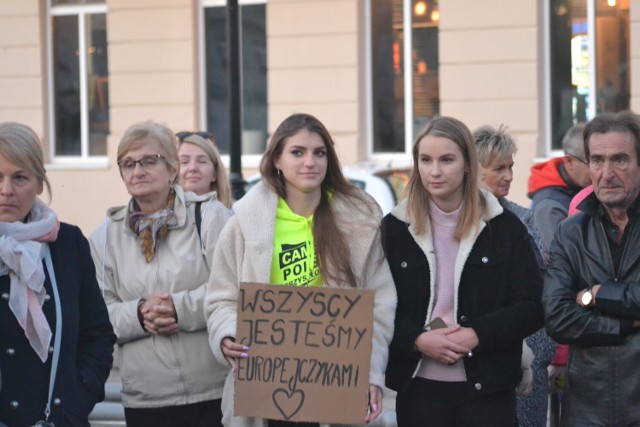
21 254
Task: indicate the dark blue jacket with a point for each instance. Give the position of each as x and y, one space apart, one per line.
86 347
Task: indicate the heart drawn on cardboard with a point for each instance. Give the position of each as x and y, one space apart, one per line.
288 403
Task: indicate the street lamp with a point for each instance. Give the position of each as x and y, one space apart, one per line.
234 98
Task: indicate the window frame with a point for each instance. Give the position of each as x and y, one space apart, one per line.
84 160
248 160
391 158
545 148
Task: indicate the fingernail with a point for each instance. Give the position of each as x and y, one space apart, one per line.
244 355
245 348
375 407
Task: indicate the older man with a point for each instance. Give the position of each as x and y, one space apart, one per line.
591 295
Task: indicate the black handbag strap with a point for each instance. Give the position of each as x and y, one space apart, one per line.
199 220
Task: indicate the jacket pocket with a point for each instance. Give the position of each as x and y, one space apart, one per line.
485 277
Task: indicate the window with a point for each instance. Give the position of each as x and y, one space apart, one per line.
404 71
254 74
589 61
80 78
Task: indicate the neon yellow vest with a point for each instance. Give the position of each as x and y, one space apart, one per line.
294 256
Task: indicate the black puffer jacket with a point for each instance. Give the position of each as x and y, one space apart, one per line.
604 356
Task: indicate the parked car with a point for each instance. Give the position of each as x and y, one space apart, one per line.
396 178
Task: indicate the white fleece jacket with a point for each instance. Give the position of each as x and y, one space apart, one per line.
162 370
244 254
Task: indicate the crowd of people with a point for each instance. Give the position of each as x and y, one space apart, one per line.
483 309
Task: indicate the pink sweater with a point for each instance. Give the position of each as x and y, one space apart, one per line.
443 226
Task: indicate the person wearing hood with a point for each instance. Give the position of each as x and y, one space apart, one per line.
56 340
468 290
153 264
552 184
302 201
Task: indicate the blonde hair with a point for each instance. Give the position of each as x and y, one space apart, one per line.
473 204
221 183
138 132
492 144
21 146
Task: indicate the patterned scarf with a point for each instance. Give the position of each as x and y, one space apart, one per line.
21 253
152 228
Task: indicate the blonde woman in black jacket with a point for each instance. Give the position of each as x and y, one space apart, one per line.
468 290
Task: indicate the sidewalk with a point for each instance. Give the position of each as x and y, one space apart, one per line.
388 416
111 414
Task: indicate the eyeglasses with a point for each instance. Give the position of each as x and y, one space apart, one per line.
584 162
186 134
146 162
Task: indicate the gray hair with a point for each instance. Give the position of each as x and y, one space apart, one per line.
573 141
136 133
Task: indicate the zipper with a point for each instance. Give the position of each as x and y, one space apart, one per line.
610 258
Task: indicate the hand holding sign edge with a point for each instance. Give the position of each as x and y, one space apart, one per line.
233 351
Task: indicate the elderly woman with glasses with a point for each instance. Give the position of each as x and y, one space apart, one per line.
153 265
201 168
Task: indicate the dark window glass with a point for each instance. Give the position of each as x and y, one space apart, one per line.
254 80
66 85
98 81
388 70
426 92
387 80
70 122
570 62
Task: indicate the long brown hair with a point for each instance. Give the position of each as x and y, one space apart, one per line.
330 243
473 204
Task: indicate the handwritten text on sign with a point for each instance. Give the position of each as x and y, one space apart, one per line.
309 354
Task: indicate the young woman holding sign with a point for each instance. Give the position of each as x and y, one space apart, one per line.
305 200
468 290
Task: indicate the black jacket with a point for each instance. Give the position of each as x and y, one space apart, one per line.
498 296
86 347
604 355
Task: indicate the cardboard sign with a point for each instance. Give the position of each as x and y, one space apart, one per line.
309 356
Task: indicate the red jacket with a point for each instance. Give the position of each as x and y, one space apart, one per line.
546 174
